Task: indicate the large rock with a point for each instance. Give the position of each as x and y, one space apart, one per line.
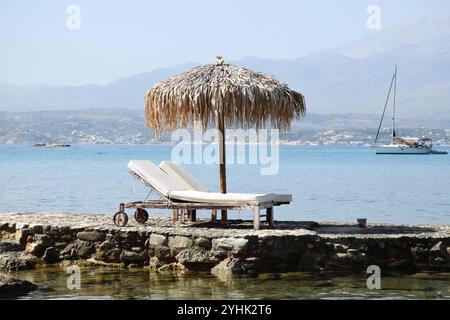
11 287
67 238
17 261
343 258
180 243
156 240
420 253
154 263
85 249
232 266
202 242
35 248
231 245
108 252
51 255
129 257
358 256
178 267
37 244
22 225
313 257
9 246
93 236
162 252
39 229
386 253
43 238
439 254
22 235
69 252
439 249
5 235
137 249
279 250
197 259
339 248
8 228
78 249
60 245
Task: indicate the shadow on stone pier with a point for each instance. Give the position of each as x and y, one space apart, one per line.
381 230
247 224
323 228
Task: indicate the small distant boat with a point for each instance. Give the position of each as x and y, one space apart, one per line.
52 145
398 145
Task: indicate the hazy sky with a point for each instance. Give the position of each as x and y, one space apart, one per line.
122 38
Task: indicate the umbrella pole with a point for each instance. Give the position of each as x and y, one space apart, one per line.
223 174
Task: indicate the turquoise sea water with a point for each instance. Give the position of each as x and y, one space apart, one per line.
327 183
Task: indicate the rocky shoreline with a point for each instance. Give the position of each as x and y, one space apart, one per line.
35 240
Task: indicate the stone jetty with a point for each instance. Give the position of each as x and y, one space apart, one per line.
33 240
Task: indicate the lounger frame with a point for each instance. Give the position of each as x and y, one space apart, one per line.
180 208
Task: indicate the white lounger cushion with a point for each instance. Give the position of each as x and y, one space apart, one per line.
222 198
282 197
154 176
187 180
181 176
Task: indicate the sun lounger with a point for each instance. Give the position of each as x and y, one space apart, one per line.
180 191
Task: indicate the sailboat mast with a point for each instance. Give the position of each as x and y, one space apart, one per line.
393 112
385 105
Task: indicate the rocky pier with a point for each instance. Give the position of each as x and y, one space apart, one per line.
34 240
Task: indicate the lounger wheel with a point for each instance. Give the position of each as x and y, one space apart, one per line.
141 215
120 219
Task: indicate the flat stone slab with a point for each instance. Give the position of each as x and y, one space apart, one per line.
235 229
159 225
11 287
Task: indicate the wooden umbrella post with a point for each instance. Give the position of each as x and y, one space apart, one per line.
223 174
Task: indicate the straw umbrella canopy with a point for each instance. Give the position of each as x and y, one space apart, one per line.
220 95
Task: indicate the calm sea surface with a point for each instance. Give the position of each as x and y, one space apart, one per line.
327 183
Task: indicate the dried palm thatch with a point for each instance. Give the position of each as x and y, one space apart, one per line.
243 97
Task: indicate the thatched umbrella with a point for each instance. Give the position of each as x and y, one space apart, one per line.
220 95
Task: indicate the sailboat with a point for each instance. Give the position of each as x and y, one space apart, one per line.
400 145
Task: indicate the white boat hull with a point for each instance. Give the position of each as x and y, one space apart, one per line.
400 149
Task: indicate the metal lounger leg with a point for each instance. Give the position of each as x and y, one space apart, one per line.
224 215
269 216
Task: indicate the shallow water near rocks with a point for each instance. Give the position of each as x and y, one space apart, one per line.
110 283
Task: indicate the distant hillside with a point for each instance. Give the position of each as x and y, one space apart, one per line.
353 78
86 126
124 126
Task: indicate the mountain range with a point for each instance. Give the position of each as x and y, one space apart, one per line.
353 78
